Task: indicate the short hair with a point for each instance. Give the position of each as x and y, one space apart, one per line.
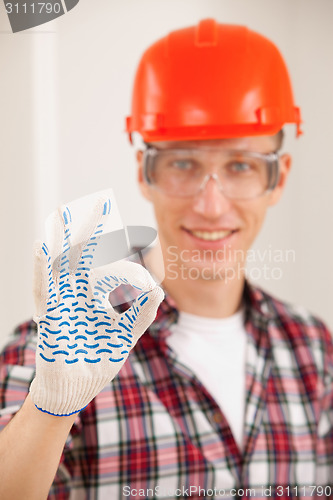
279 137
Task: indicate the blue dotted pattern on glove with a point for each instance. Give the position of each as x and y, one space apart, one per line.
89 333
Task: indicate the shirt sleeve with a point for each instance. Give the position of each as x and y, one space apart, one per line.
17 370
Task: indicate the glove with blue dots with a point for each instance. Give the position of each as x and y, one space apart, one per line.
82 341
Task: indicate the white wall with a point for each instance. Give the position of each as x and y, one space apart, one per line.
17 183
65 90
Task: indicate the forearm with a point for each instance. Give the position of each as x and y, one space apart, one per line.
30 450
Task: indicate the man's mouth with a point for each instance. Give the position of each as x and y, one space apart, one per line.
211 235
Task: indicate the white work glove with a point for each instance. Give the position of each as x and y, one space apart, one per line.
82 342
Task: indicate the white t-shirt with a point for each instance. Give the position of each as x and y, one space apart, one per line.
214 349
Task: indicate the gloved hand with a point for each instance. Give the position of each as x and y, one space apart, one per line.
82 342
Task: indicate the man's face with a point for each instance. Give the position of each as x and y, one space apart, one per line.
209 234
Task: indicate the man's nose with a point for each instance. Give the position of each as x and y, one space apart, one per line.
210 201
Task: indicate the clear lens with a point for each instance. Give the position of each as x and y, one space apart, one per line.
183 173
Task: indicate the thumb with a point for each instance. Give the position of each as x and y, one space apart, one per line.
144 310
41 277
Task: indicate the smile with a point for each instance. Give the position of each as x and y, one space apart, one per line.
211 235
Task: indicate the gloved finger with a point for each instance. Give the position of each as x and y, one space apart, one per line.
43 283
58 238
66 219
87 238
141 314
122 273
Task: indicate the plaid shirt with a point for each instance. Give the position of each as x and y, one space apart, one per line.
156 432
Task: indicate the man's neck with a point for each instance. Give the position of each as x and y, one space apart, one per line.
210 298
214 298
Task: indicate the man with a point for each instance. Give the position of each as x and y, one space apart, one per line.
229 392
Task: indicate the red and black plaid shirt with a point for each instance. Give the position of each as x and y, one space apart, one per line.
156 432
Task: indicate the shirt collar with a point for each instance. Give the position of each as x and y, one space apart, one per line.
258 305
258 301
258 309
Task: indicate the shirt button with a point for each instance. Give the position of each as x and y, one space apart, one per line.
217 417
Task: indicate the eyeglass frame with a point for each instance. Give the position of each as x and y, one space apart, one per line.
272 159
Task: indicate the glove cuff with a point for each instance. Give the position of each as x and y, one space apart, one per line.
64 397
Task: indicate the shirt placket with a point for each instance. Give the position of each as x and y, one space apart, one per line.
258 369
213 412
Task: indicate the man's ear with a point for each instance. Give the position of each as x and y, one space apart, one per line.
144 188
285 162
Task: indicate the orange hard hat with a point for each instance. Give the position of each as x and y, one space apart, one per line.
211 81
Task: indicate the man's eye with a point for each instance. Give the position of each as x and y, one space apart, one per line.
182 164
240 167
